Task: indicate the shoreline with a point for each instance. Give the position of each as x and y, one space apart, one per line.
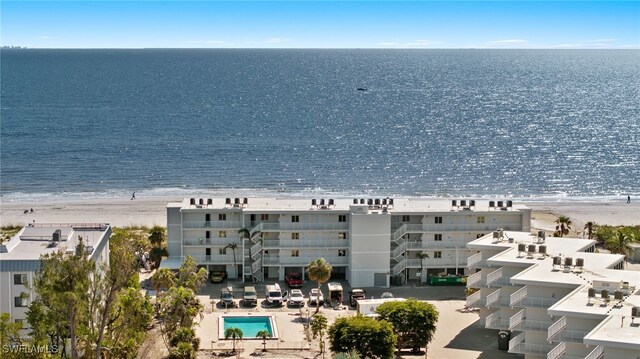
150 211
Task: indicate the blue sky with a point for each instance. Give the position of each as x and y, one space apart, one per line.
320 24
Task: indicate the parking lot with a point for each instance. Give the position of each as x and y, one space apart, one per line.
457 335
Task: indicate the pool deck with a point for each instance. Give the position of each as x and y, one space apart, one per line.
456 336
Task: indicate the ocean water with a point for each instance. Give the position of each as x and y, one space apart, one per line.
520 123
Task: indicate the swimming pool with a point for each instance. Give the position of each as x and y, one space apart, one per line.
249 324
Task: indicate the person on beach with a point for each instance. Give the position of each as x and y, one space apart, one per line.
133 196
628 198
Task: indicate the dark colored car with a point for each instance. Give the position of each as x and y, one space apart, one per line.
218 277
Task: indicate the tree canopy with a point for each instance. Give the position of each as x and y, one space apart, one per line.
371 338
319 271
414 322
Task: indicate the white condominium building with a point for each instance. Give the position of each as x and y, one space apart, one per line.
368 241
20 258
554 297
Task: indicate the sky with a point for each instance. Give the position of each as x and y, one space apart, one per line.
320 24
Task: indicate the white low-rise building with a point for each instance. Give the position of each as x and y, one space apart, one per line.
555 297
368 241
20 258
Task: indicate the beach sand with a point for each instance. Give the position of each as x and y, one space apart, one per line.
152 211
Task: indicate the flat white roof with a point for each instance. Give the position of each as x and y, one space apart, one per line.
400 205
33 241
597 268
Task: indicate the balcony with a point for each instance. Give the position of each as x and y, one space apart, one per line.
431 244
296 226
533 325
495 321
494 277
211 224
517 345
474 280
216 258
597 353
302 243
209 242
302 260
474 299
536 302
475 261
497 300
557 351
516 319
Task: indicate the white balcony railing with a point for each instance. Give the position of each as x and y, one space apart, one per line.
474 260
211 224
398 233
556 328
516 319
474 299
494 276
302 260
303 243
531 349
302 226
536 302
515 341
217 258
215 242
533 325
557 351
596 353
573 336
495 321
473 281
517 296
493 298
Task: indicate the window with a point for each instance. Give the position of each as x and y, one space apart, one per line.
438 220
19 279
342 235
342 253
222 234
437 237
342 218
437 254
21 301
222 216
222 251
480 219
207 234
295 253
18 321
406 218
295 235
295 219
264 217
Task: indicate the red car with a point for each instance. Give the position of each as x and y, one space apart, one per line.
294 280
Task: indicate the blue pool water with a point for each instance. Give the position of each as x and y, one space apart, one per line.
250 326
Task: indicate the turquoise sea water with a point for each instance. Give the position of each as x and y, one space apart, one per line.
250 326
521 123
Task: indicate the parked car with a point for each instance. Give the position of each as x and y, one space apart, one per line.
217 277
316 297
294 280
273 295
296 298
355 295
226 297
249 296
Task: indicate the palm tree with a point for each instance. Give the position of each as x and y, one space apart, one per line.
620 243
233 247
234 334
263 334
320 272
563 226
162 278
589 228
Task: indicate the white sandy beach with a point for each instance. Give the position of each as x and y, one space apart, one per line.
152 211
